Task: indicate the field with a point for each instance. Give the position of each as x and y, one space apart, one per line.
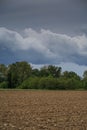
43 110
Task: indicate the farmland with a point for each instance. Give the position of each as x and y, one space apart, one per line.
43 110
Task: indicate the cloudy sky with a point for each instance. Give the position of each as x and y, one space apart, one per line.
44 32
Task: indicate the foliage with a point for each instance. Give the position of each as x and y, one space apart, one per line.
3 73
4 85
50 71
30 83
47 83
51 83
35 72
85 75
21 75
17 73
70 74
3 69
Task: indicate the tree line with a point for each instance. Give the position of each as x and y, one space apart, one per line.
21 75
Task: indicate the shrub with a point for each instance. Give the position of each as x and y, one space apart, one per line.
31 83
47 83
4 85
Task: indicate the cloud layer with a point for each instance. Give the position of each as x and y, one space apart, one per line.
43 47
61 16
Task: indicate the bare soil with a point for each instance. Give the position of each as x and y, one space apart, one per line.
43 110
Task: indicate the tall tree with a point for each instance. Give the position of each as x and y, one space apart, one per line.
36 72
51 71
3 72
18 72
71 74
85 74
54 71
44 71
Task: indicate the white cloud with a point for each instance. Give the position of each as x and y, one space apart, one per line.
52 46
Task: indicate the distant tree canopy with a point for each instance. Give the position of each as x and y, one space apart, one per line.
3 72
22 75
70 74
17 73
85 74
50 71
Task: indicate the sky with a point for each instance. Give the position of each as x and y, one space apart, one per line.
44 32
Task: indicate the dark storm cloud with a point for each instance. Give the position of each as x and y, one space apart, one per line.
84 2
83 30
58 15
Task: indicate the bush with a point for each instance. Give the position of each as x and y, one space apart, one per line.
31 83
51 83
47 83
68 84
4 85
84 84
39 83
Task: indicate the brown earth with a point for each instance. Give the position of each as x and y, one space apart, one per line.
43 110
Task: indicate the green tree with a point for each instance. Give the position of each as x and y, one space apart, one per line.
85 79
54 71
50 71
30 83
44 71
36 72
70 74
3 85
17 73
3 69
85 74
3 72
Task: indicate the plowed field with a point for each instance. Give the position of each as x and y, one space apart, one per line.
43 110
